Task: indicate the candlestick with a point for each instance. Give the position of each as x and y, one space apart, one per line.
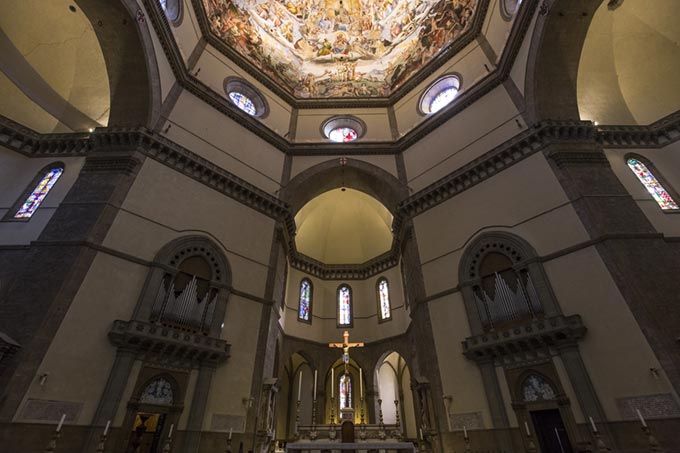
332 410
654 446
313 434
102 444
297 420
106 430
642 419
52 445
526 427
592 423
61 422
361 383
398 419
315 372
300 386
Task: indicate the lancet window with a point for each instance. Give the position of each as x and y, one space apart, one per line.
187 298
344 305
305 303
652 184
39 192
345 390
384 306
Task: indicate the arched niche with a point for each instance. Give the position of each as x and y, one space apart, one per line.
393 382
187 287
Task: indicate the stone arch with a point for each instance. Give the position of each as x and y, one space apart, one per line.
123 33
525 262
554 56
165 269
355 174
188 246
523 382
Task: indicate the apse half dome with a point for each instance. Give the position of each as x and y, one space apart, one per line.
343 226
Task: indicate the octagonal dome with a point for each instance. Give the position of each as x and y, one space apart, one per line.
339 48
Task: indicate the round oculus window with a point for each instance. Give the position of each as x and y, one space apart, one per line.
343 129
171 8
440 94
510 7
246 97
343 134
243 102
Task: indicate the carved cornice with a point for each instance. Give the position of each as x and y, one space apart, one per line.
218 101
167 345
534 335
565 134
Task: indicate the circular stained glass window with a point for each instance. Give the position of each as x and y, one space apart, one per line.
171 8
343 129
246 97
243 102
439 94
510 7
343 134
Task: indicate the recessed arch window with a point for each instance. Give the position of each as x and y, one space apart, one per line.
246 97
172 10
343 129
652 184
30 202
440 94
345 390
344 306
384 304
305 302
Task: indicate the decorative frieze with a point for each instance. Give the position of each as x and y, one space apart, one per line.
166 345
535 336
469 420
50 411
662 405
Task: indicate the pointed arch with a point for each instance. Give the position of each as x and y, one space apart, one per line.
382 289
36 192
651 179
305 300
344 304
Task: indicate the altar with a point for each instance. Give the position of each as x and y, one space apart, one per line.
360 447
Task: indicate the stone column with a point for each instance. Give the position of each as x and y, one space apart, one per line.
499 416
583 387
642 264
198 404
57 263
111 397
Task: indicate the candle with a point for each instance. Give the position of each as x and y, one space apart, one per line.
593 424
231 431
106 430
642 419
377 378
526 427
61 422
332 381
300 386
171 428
361 383
465 432
315 371
421 433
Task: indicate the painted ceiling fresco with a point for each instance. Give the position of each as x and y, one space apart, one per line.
339 48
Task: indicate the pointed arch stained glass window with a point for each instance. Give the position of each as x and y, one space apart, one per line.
384 299
344 306
653 186
345 390
39 193
304 309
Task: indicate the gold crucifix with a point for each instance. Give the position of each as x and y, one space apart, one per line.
346 345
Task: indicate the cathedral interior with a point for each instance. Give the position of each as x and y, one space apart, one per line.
322 225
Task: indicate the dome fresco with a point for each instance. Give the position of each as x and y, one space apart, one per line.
339 48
